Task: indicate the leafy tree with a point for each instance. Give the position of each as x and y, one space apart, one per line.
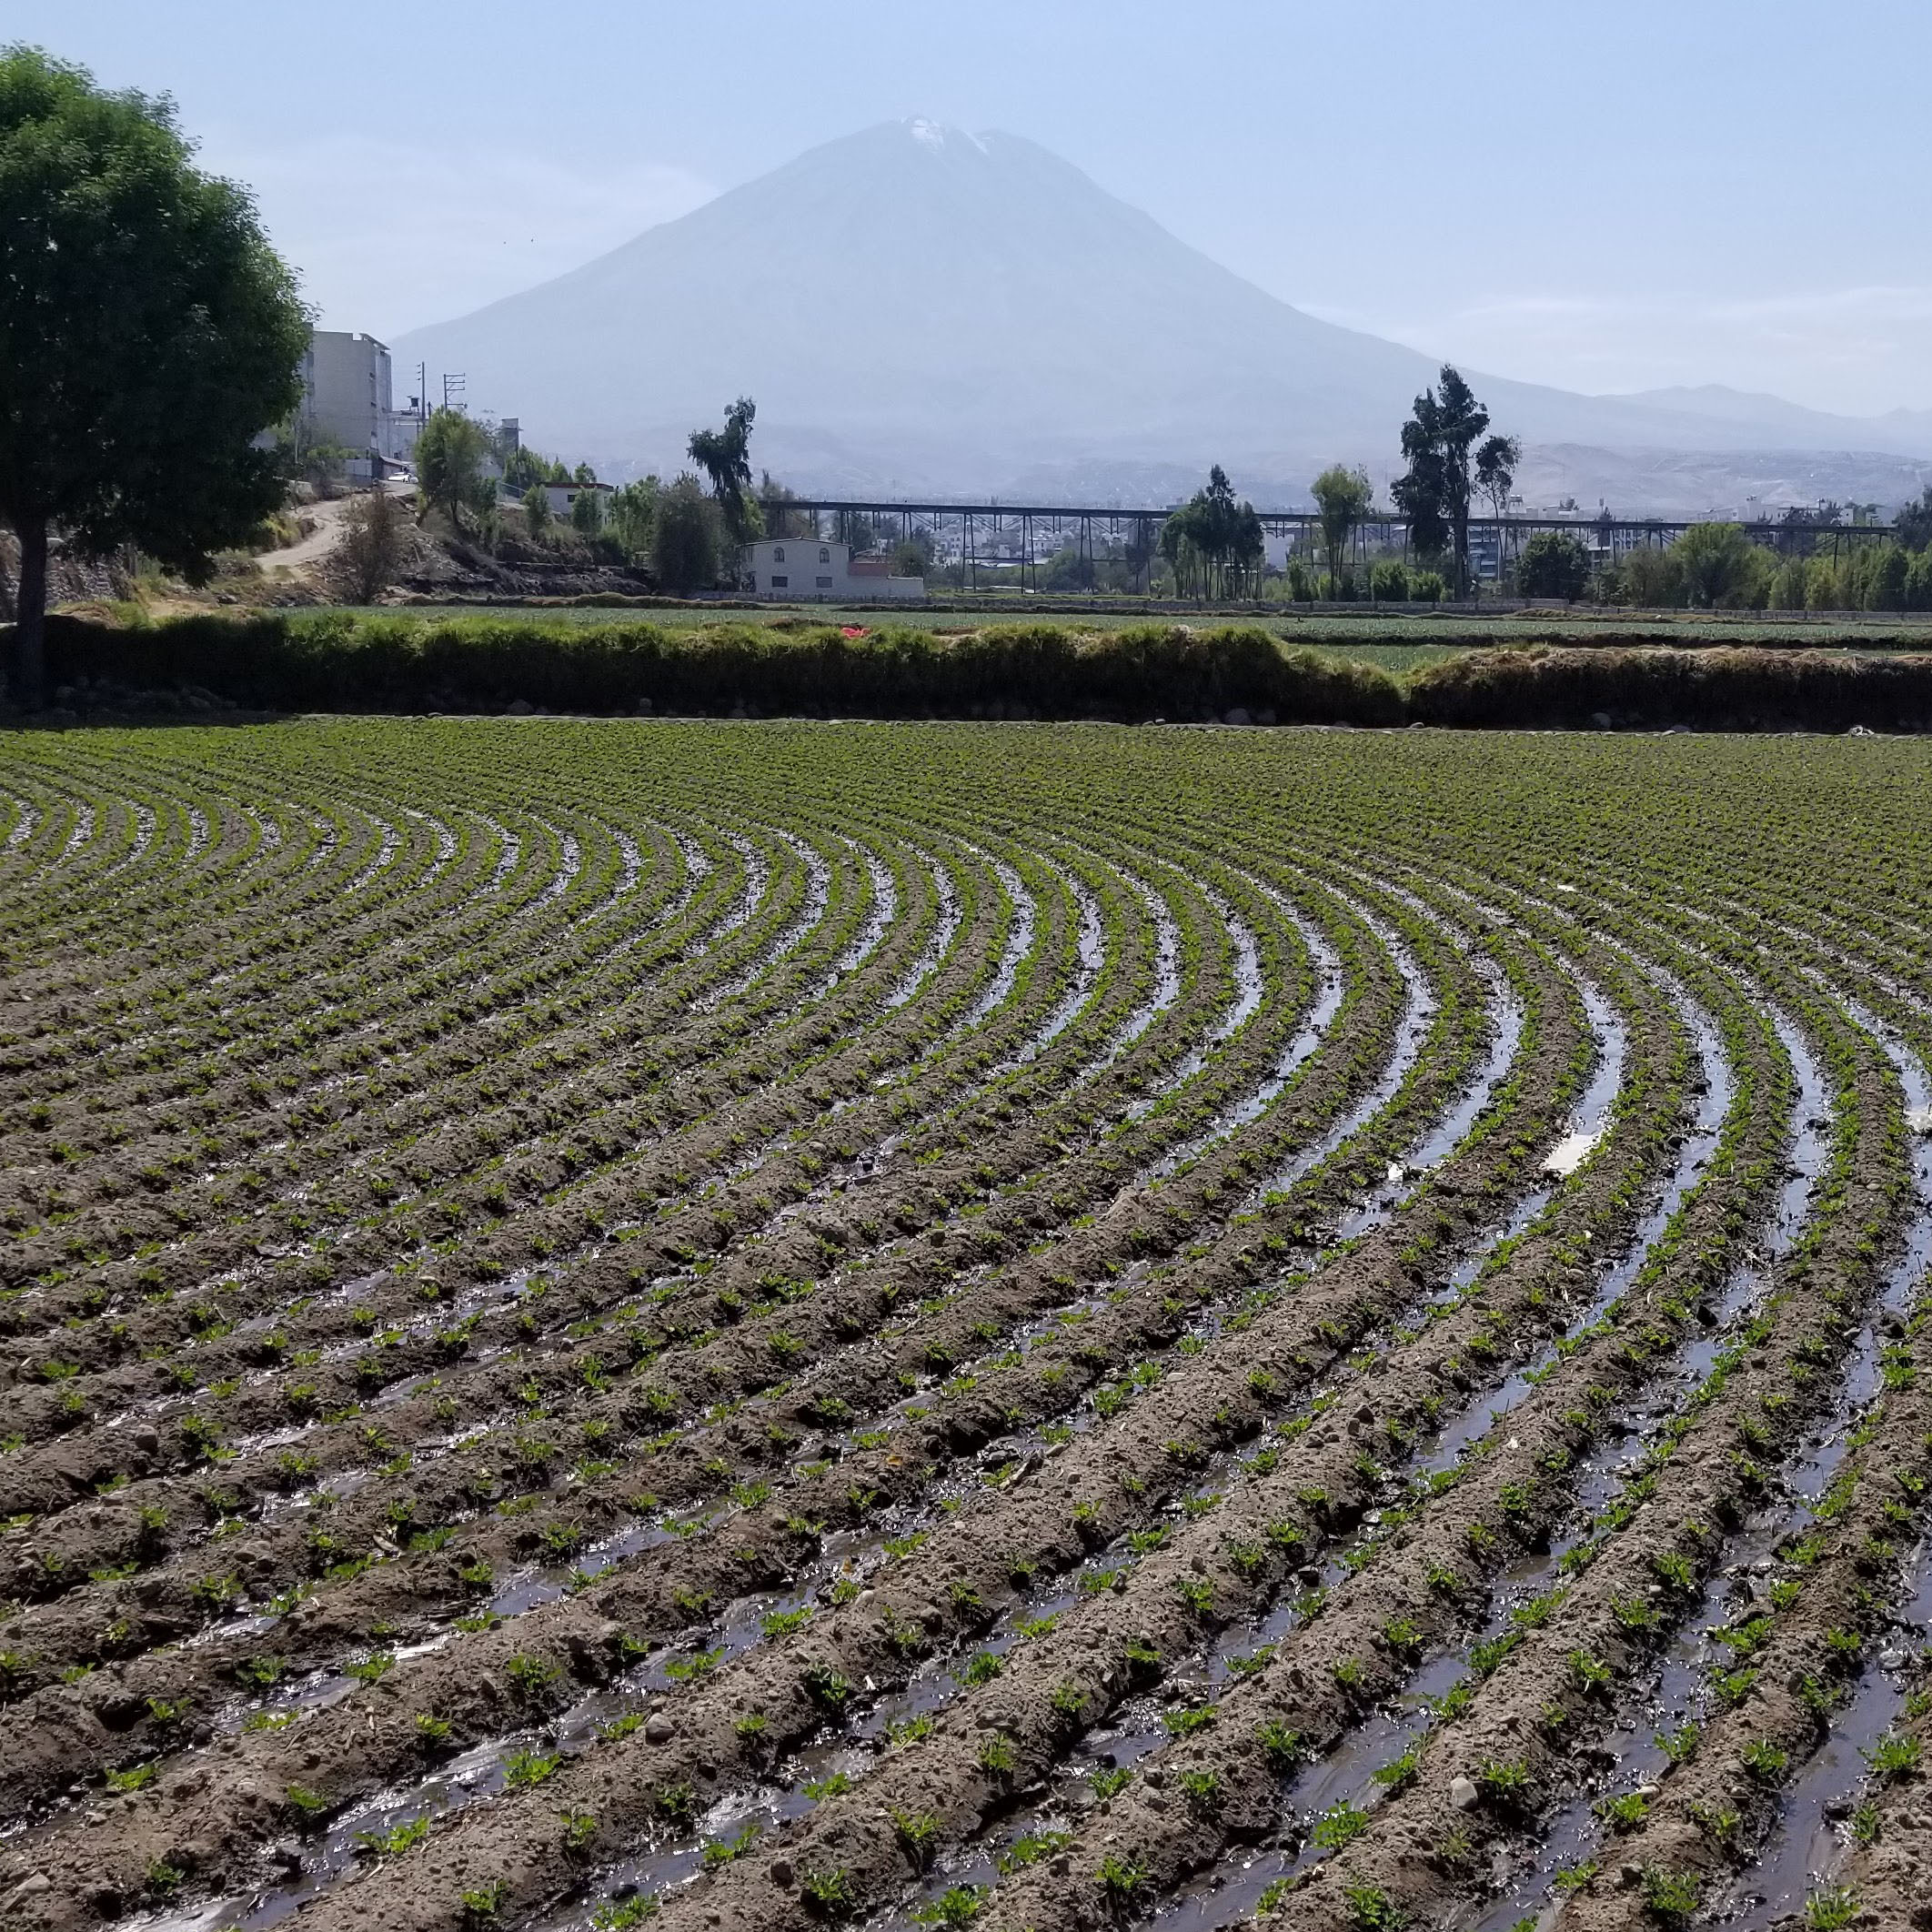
450 452
536 510
780 522
374 536
583 475
148 334
1554 564
587 511
912 556
1213 543
1913 522
1437 442
1343 496
1389 581
1652 579
1890 573
1787 588
724 455
1722 568
1495 477
304 453
630 513
526 466
684 549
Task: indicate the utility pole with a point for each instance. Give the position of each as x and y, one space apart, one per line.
453 385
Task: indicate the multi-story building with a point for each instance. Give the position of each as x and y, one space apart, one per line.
347 398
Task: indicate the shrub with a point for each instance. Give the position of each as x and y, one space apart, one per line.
338 660
1554 564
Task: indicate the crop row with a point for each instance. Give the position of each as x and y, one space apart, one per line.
791 1324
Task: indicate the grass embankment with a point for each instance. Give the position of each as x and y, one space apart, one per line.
341 661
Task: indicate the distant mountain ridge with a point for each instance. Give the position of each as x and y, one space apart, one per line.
916 309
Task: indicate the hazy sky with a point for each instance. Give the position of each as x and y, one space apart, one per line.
1605 196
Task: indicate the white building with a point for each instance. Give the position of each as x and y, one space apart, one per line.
347 398
795 569
562 497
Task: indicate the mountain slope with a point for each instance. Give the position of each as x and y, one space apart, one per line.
914 307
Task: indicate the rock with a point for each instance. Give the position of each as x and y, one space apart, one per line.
520 708
31 1887
1600 720
1063 1866
1462 1794
1836 1808
1308 1577
1891 1660
1630 1874
287 1854
1238 715
781 1873
148 1438
658 1728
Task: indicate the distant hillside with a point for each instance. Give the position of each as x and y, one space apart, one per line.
915 308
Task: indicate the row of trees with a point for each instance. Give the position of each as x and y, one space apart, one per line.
1213 544
1449 464
1719 567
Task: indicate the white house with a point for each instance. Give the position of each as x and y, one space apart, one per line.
794 569
562 497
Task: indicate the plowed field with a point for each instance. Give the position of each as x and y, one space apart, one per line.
764 1326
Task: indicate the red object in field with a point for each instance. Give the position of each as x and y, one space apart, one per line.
851 630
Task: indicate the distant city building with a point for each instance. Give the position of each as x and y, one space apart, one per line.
347 398
802 570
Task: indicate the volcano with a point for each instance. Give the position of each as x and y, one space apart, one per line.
919 309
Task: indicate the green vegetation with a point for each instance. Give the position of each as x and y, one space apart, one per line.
147 330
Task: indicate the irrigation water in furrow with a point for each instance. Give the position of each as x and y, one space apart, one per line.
247 976
1809 1840
1346 1775
482 1770
1679 1686
1138 1730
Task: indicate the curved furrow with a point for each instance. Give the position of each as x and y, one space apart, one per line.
786 1323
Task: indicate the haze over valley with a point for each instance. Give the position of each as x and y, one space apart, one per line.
921 310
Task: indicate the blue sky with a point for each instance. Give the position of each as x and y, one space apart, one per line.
1605 196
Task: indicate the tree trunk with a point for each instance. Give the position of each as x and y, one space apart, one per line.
30 632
